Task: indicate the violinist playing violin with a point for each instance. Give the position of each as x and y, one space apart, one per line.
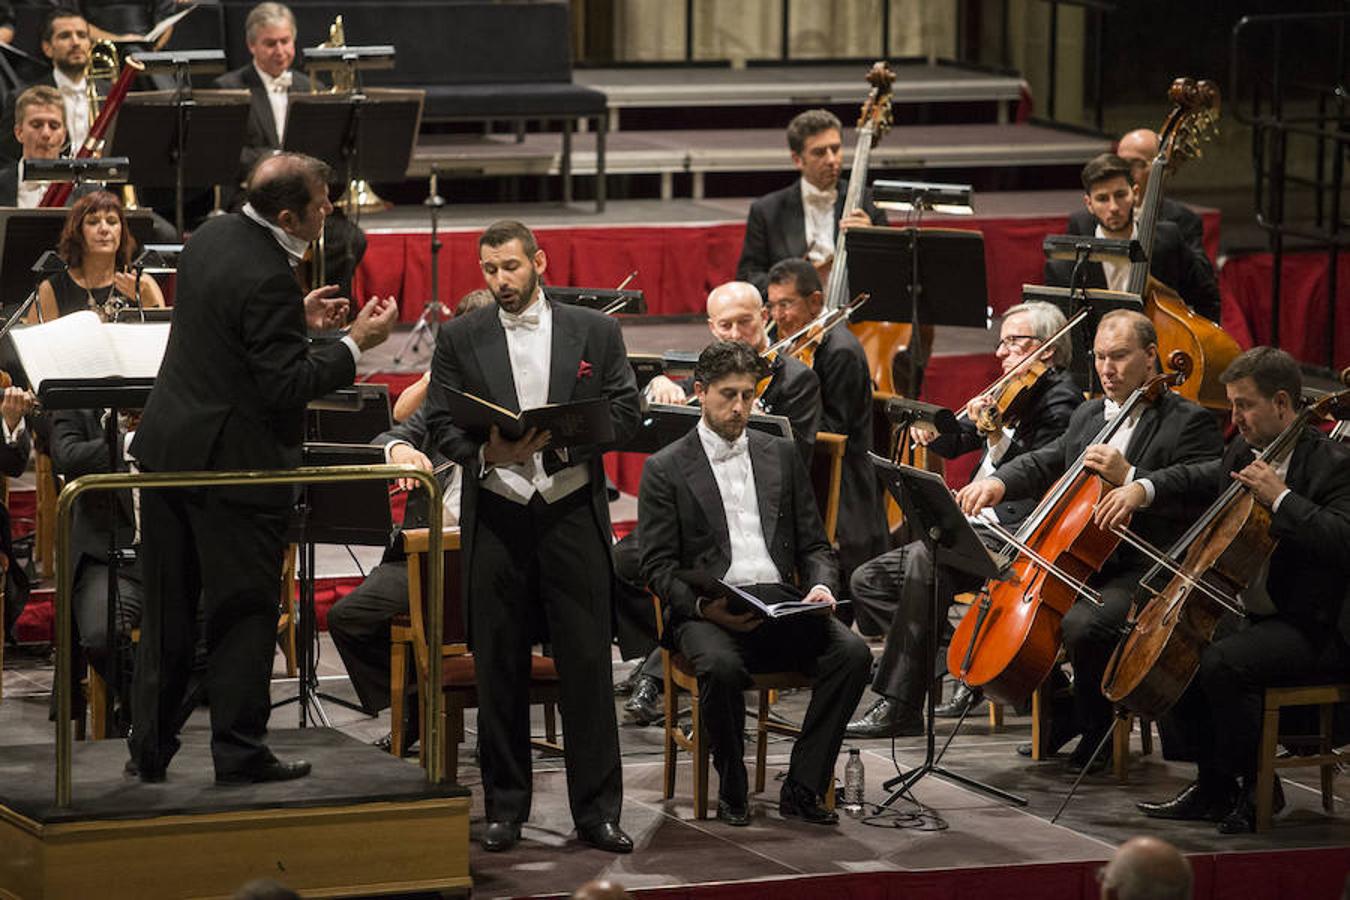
1169 431
735 313
893 592
1296 628
15 404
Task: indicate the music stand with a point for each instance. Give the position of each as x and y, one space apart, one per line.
353 513
663 424
181 139
350 415
603 300
923 276
929 507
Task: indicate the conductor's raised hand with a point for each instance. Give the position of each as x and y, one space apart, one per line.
324 309
374 322
716 611
498 451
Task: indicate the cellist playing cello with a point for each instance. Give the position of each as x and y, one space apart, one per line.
1172 430
1296 626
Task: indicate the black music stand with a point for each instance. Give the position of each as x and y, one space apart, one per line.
923 276
352 513
117 395
603 300
663 424
181 139
350 415
928 505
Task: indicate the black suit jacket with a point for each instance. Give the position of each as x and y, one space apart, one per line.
793 393
684 526
1049 408
1310 566
260 134
78 447
471 356
239 368
413 430
1173 430
776 229
1172 262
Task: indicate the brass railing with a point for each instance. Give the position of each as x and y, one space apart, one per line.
432 735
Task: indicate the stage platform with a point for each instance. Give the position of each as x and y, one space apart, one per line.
189 837
916 82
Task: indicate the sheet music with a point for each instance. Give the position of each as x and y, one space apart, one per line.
80 345
165 24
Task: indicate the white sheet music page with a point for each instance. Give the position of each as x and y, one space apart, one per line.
80 345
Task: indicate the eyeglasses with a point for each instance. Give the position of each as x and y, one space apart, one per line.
1017 341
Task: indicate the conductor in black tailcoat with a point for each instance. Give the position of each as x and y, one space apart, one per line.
536 532
737 505
231 394
802 220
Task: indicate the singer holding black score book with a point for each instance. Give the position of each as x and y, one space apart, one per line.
535 530
738 506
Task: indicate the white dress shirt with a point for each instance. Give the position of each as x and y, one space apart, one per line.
529 346
276 89
454 488
30 193
76 99
1121 439
992 457
1117 274
818 209
732 469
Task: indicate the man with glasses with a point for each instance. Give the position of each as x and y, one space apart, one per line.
893 592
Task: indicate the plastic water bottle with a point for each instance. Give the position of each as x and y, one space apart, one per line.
853 783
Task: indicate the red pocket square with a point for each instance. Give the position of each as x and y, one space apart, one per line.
583 370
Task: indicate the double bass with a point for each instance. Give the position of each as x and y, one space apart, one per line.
1221 555
1193 116
1008 639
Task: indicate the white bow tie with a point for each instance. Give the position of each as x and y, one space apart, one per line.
527 321
1110 409
722 451
282 83
822 199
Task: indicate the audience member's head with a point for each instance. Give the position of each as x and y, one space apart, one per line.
290 190
476 299
265 889
1146 868
601 889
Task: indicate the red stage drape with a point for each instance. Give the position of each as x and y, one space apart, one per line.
1244 283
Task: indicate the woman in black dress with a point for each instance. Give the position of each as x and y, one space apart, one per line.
97 248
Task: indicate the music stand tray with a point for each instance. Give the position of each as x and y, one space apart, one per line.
951 276
375 134
663 424
146 131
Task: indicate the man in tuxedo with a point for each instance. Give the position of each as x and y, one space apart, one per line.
40 130
359 622
535 531
795 300
66 43
1111 197
269 32
231 394
1169 430
802 221
1139 148
893 592
1296 628
735 313
737 505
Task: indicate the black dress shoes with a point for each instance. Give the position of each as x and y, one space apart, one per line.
149 776
625 688
1059 736
606 836
272 770
737 814
886 718
796 801
1241 819
963 699
1195 803
646 706
499 836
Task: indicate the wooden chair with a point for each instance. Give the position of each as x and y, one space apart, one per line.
1323 696
827 470
1120 743
678 673
4 581
44 516
459 679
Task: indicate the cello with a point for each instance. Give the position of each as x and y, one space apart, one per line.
1193 116
1008 639
1224 552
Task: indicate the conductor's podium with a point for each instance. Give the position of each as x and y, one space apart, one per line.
362 823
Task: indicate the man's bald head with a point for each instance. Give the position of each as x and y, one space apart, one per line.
1146 868
1138 148
285 181
736 313
601 889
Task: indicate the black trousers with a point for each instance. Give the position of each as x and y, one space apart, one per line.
547 561
817 645
359 624
89 605
1091 633
198 548
1222 709
896 588
634 616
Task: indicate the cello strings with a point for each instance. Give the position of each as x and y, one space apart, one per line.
1079 586
1232 604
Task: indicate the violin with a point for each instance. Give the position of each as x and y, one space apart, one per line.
1008 640
1193 117
1221 555
30 400
1007 398
802 344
